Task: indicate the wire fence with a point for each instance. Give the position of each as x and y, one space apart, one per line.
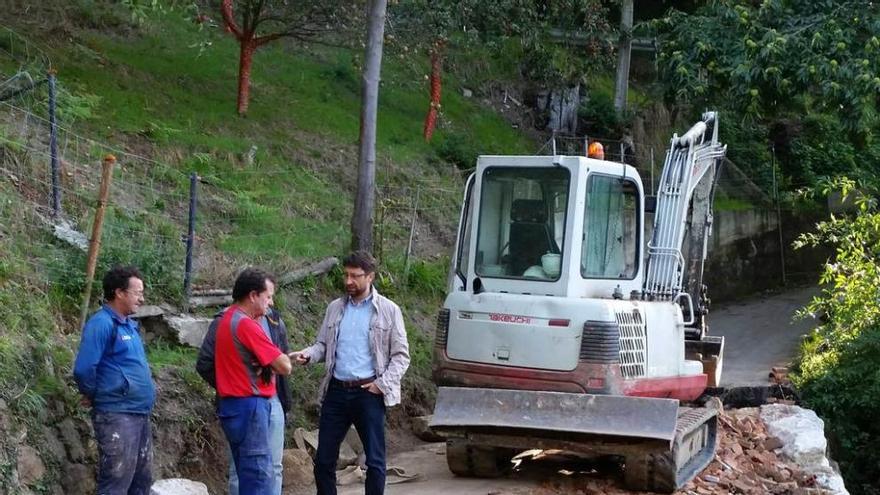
278 221
194 226
242 214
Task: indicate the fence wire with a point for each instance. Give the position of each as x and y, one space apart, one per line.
275 217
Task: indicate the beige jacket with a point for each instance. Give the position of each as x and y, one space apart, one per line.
388 344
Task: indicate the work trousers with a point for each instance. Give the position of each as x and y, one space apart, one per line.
343 407
276 447
245 421
125 453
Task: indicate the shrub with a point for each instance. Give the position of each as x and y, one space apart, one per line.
599 115
458 149
837 368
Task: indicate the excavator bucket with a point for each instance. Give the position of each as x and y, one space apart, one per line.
499 410
709 350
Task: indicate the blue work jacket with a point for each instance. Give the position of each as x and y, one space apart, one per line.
111 366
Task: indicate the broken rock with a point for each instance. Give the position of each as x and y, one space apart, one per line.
297 465
178 486
190 330
422 429
30 466
802 433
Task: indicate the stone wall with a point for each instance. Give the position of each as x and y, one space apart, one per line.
746 257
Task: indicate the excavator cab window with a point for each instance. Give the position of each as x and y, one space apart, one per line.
522 222
611 229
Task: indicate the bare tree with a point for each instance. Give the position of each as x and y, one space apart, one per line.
362 217
263 21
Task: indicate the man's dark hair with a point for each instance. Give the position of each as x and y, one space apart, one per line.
362 260
251 279
117 278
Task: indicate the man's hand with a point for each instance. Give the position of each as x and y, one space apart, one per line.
299 357
372 388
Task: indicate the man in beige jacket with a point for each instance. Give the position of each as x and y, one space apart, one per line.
363 343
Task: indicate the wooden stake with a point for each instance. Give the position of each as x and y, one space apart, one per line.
95 242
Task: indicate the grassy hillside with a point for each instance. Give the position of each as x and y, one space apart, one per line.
276 190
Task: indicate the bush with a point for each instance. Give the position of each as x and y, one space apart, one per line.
458 149
837 370
599 116
821 150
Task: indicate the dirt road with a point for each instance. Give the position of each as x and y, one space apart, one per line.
759 334
554 474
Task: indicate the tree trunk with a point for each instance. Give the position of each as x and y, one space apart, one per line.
362 217
623 54
431 118
246 56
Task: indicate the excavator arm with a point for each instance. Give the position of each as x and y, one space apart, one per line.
683 221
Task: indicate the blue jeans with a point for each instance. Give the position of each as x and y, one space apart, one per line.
245 421
343 407
125 453
276 446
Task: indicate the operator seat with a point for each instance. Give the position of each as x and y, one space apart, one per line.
530 236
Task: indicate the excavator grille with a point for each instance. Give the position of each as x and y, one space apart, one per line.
442 332
600 342
632 343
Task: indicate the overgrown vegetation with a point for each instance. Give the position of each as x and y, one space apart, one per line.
273 189
837 370
796 77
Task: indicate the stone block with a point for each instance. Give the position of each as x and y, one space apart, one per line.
178 486
297 468
189 330
30 467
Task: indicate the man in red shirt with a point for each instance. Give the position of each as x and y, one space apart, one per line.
245 365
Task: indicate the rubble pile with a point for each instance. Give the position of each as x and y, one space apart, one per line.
748 461
779 376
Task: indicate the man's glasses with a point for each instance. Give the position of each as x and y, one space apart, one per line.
138 293
354 276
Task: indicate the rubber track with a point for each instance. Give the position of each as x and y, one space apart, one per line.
657 471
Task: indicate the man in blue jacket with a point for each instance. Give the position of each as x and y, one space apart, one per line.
114 378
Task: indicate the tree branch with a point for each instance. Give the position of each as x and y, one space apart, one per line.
229 19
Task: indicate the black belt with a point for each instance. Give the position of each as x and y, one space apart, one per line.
352 383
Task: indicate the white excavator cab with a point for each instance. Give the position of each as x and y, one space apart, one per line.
563 322
566 226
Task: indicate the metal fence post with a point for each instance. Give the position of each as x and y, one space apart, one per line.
778 216
95 243
190 236
53 147
412 230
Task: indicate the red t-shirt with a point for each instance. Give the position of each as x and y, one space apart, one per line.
236 352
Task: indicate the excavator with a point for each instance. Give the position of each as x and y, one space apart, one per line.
569 324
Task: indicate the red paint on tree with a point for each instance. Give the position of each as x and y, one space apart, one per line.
248 42
245 59
436 67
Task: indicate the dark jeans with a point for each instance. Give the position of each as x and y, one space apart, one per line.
245 421
343 407
125 453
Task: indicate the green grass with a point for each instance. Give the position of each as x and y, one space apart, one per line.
156 78
147 89
732 204
304 107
